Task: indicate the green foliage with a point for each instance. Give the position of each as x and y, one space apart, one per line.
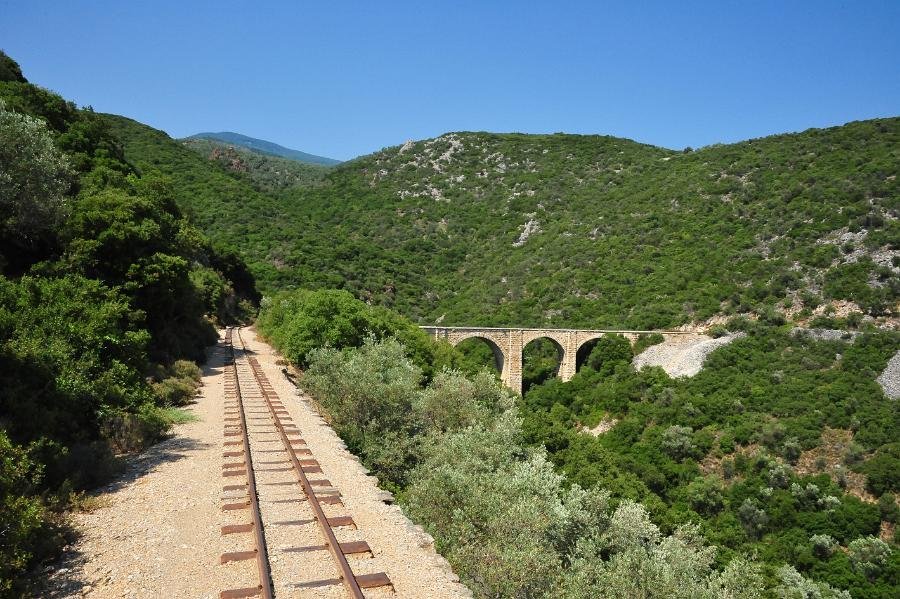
611 351
101 277
369 395
34 178
10 70
795 586
646 340
507 522
300 321
869 556
21 515
882 470
690 235
769 388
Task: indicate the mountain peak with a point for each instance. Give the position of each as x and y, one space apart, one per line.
264 147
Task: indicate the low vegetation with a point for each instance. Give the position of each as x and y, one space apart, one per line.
682 497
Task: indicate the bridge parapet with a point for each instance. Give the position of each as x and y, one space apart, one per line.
508 344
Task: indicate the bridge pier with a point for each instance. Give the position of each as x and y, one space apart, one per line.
509 343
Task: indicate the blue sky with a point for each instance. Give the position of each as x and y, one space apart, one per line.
347 78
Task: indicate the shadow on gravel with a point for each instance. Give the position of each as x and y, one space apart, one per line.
169 450
63 577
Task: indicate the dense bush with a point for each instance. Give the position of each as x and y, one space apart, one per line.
716 449
21 514
103 285
300 321
507 522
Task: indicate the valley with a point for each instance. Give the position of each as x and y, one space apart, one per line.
529 365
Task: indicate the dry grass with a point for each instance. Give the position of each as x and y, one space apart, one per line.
828 458
86 503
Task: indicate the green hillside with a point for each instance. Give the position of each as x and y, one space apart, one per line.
267 173
598 231
223 203
567 230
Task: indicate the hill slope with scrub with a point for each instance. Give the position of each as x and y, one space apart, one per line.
582 231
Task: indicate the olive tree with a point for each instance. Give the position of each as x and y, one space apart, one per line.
34 179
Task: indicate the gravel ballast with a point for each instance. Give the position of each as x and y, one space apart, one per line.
157 533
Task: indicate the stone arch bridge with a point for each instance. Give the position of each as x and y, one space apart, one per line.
508 343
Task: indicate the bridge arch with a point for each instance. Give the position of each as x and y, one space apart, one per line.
508 343
585 346
536 352
499 355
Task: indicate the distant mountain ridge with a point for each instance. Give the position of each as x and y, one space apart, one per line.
264 147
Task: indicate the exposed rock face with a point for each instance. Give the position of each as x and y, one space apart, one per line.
890 378
682 356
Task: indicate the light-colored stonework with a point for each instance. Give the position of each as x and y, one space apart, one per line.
508 343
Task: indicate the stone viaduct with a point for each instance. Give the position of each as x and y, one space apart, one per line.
508 343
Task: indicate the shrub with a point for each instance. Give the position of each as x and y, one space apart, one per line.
794 585
705 494
752 518
646 340
22 515
882 470
869 555
174 391
791 450
370 396
679 441
34 178
301 321
887 505
185 369
822 545
492 508
609 351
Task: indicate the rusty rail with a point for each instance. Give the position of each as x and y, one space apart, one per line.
301 466
260 552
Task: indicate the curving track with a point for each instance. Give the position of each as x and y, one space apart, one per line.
288 516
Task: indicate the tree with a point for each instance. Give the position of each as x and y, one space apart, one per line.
869 555
34 178
610 351
795 586
10 70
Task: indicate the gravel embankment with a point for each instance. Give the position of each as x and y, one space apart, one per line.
158 534
683 355
890 378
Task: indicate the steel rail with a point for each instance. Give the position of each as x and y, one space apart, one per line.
334 547
262 555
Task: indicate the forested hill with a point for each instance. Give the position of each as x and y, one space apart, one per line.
226 204
262 146
566 230
598 231
267 173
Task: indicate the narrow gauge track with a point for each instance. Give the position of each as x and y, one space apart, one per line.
247 389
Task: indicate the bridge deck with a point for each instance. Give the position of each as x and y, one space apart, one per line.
622 331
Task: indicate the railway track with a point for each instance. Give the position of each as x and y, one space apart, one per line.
272 475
